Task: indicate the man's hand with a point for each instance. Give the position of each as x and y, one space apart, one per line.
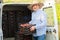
32 28
23 25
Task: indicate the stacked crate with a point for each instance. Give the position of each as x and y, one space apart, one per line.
12 23
5 24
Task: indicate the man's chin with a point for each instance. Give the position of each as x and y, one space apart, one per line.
34 10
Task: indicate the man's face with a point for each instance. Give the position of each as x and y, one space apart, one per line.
35 7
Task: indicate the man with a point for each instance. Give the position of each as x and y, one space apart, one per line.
38 18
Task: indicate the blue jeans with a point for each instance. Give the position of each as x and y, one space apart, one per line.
40 37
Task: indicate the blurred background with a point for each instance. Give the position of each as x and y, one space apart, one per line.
58 14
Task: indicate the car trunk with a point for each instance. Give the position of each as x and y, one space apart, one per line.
12 15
